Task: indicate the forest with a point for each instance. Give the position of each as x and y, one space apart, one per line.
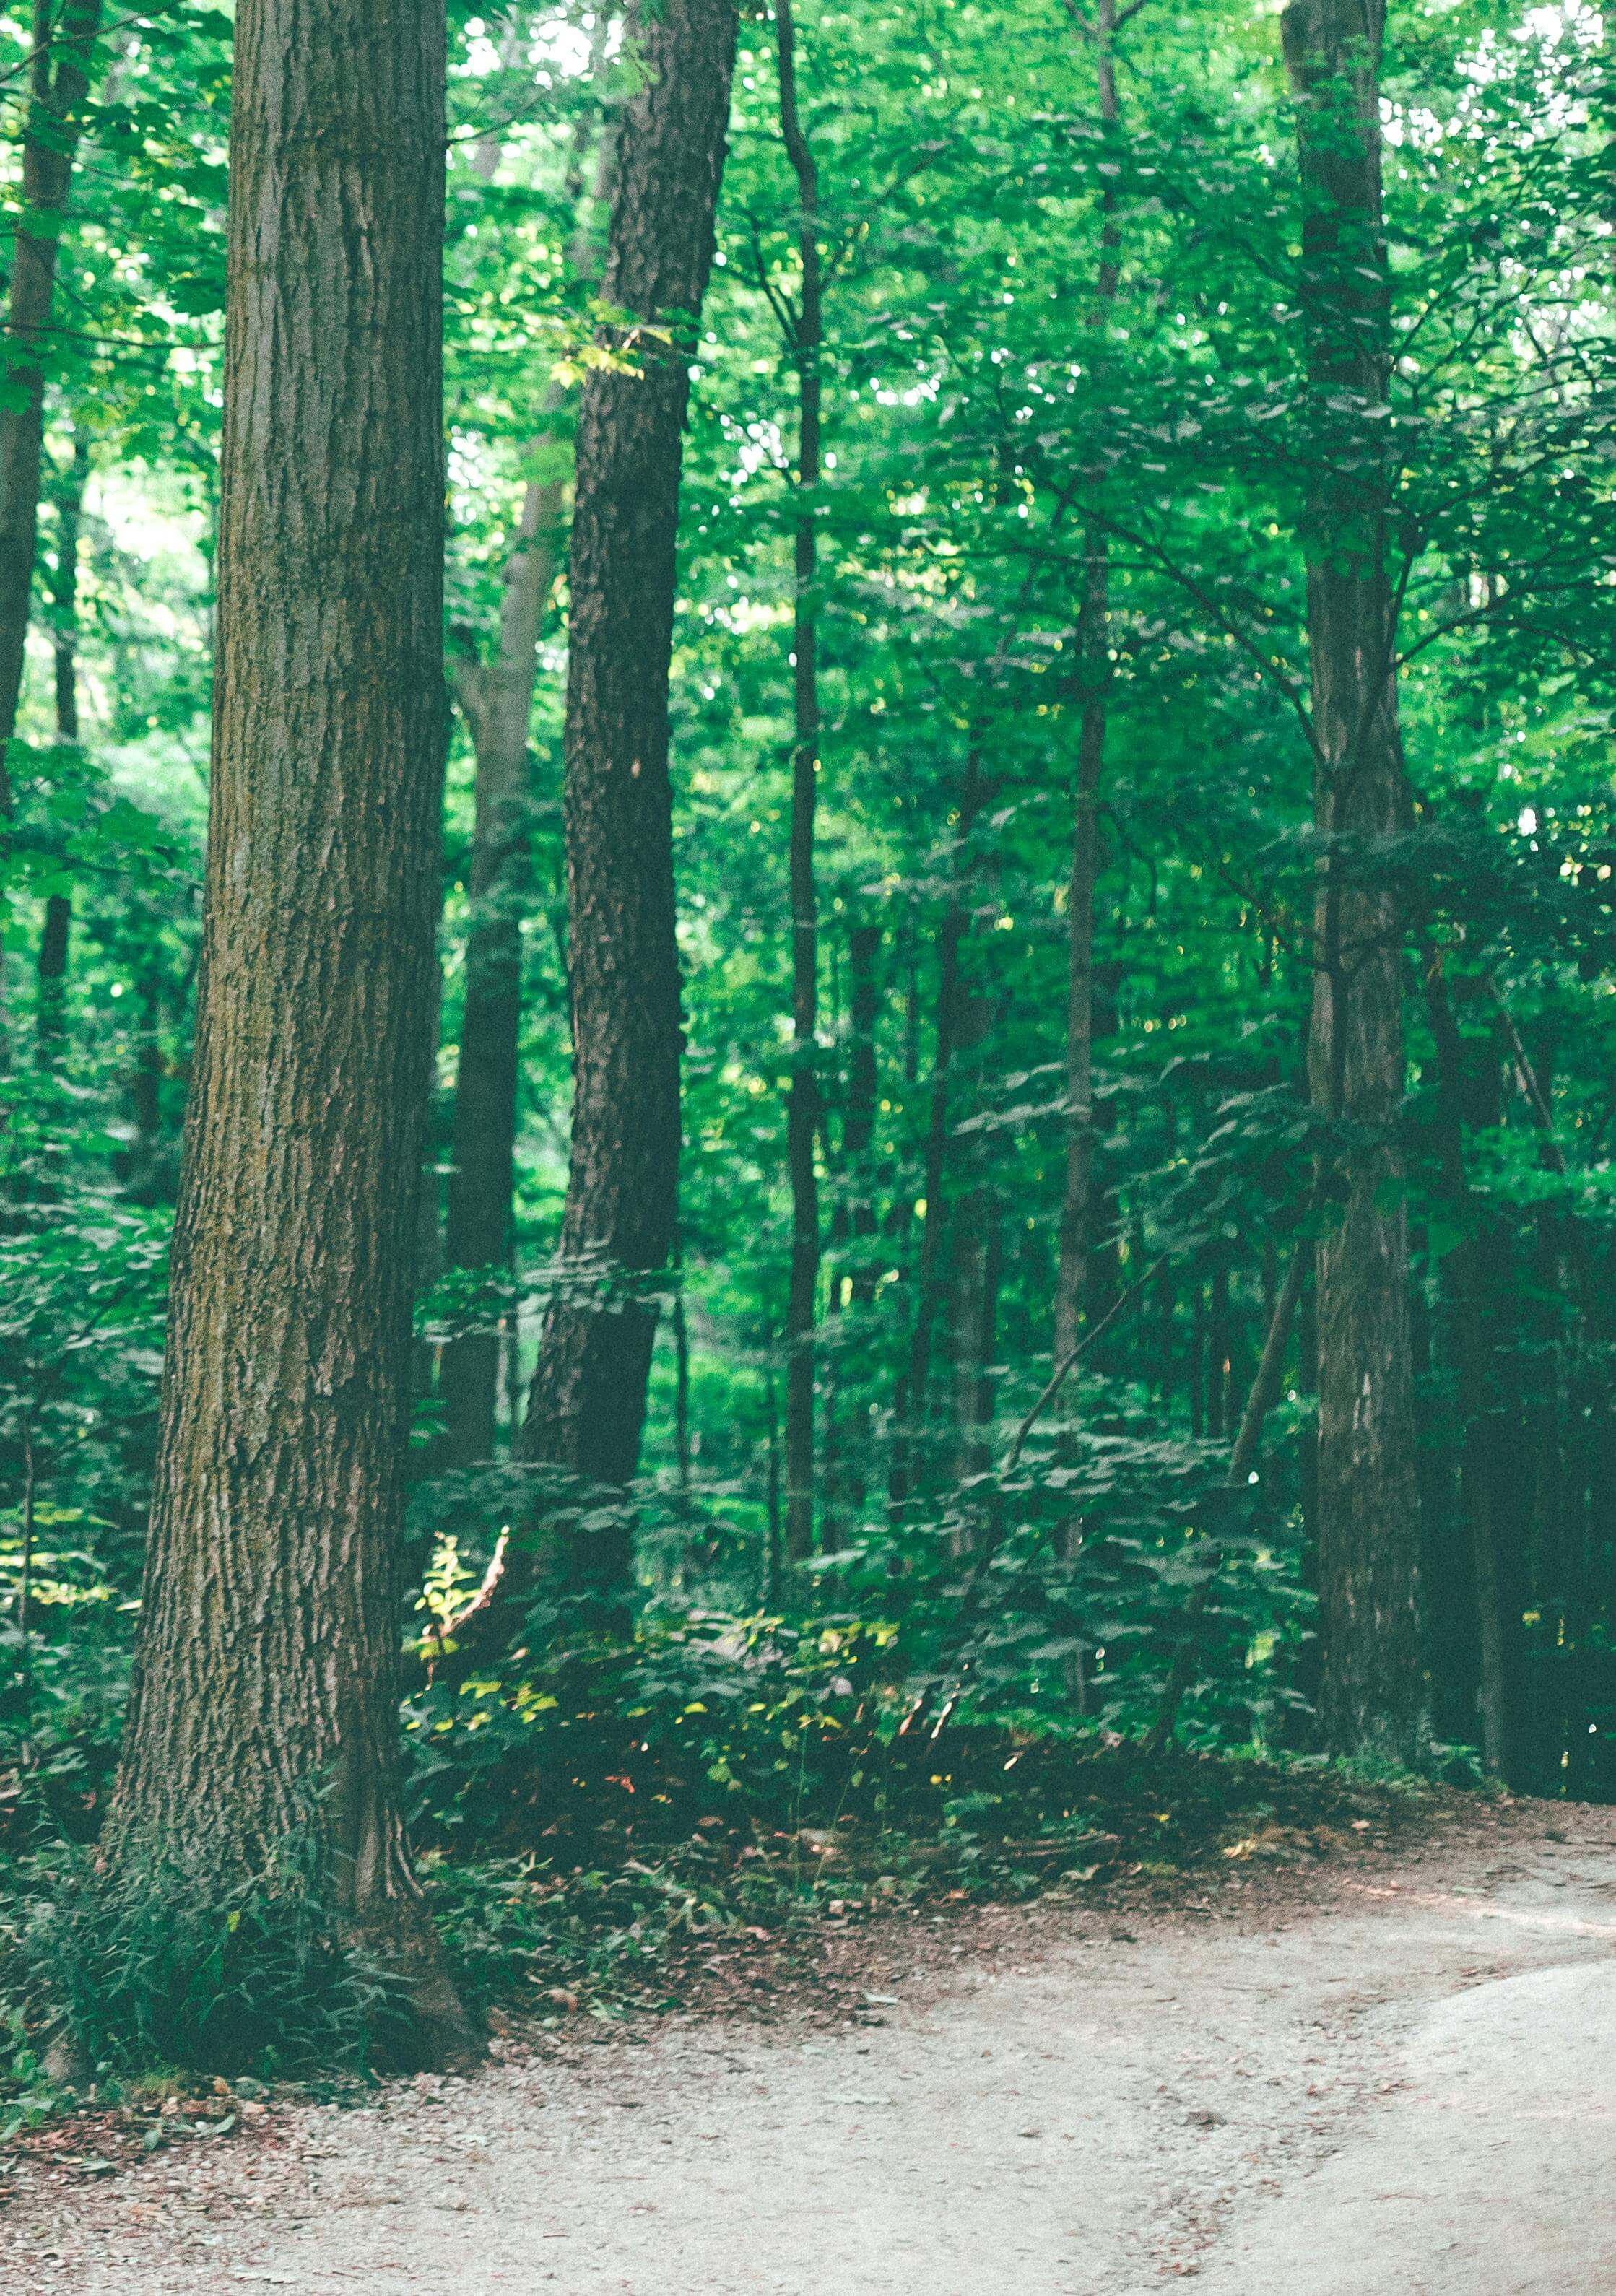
808 1051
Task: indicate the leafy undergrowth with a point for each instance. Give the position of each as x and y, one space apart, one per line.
689 1815
739 1918
634 1926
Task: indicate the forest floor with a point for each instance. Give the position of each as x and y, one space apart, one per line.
1387 2068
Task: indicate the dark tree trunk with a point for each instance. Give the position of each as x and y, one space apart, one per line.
50 1012
859 1125
587 1407
1372 1695
497 697
265 1692
482 1157
1217 1355
909 1399
1473 1346
58 82
803 1119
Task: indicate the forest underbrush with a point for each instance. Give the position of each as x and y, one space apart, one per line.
604 1844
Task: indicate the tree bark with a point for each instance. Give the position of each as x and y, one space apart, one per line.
497 697
264 1701
50 1014
587 1407
1373 1694
59 83
802 1117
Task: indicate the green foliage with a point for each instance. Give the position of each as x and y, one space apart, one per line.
969 1631
170 1967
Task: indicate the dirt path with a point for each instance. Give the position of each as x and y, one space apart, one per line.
1404 2085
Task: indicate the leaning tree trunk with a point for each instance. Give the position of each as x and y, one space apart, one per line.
587 1408
265 1692
1373 1694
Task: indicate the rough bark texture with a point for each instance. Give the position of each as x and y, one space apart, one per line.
496 696
59 83
1373 1692
267 1668
802 1117
587 1403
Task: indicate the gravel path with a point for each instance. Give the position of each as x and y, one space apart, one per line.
1404 2086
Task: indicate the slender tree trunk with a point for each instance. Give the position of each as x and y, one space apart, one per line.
1473 1342
979 1268
1197 1358
864 1091
59 83
50 1012
587 1407
496 696
1093 672
802 1119
1218 1354
1372 1695
909 1400
60 73
265 1692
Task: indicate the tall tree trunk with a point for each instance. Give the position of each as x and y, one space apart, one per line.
1473 1345
909 1398
1094 676
1218 1397
587 1407
58 82
265 1691
497 697
1373 1694
802 1116
977 1241
50 1012
864 1091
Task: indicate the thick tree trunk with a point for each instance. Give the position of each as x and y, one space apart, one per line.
1372 1695
496 696
50 1014
265 1692
587 1403
803 1104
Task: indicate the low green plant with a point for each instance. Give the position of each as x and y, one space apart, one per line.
167 1967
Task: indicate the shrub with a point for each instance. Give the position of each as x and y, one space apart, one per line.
165 1966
